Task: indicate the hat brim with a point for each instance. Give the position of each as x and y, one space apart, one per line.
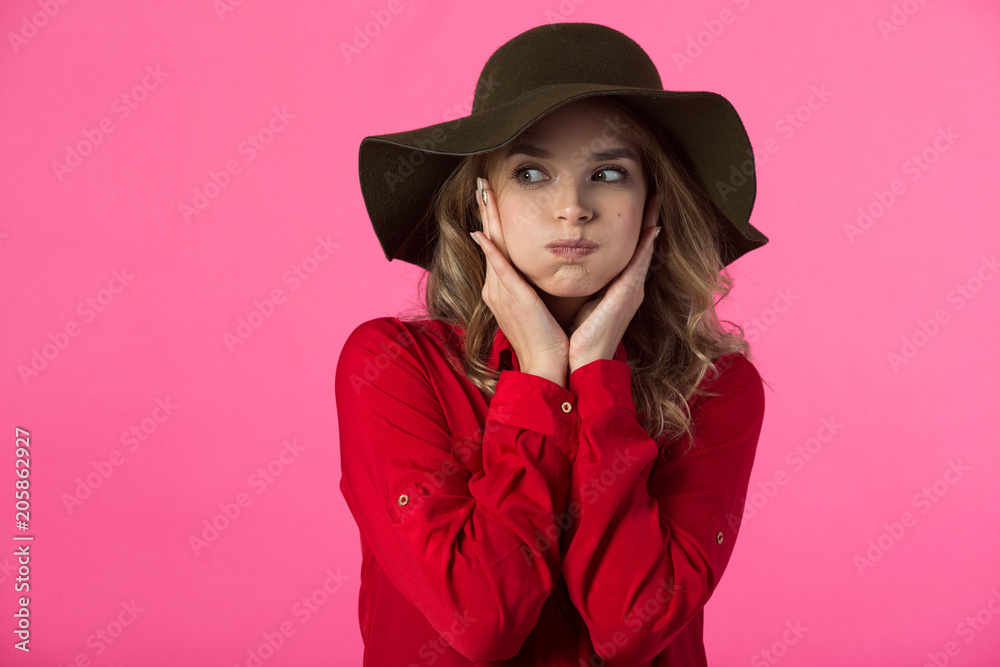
400 172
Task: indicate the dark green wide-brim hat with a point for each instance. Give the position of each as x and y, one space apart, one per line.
529 76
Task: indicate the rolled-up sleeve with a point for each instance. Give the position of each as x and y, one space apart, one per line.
456 543
653 536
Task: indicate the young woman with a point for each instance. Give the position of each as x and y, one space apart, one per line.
548 467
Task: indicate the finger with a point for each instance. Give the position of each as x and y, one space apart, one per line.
649 219
485 238
490 282
495 224
652 220
652 211
483 220
637 267
650 241
504 272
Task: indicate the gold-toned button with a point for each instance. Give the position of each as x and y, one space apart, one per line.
718 538
567 406
403 499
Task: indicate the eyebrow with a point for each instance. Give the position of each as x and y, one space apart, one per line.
521 148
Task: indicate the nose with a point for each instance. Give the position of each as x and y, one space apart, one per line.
570 203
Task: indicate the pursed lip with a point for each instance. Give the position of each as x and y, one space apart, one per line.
572 243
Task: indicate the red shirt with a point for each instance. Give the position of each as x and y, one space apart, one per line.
539 527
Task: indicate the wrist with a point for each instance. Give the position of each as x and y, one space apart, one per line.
582 360
551 372
574 364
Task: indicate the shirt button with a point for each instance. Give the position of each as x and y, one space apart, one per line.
403 499
562 610
567 406
718 538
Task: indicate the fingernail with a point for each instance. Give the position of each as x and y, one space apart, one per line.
657 232
479 183
476 239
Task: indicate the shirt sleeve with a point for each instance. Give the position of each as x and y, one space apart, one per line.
651 537
457 544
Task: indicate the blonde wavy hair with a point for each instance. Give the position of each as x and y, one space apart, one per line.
674 336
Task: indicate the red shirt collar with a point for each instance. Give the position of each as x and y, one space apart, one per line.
502 352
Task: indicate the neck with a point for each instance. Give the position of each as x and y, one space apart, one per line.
563 308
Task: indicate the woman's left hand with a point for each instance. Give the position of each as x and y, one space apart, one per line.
602 321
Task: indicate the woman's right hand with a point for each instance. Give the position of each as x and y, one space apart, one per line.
541 345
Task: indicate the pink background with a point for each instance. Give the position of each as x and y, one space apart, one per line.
825 307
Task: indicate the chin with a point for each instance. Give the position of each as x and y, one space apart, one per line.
568 290
566 281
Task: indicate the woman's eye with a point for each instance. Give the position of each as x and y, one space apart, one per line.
528 175
611 174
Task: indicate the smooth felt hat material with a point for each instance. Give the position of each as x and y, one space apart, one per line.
529 76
